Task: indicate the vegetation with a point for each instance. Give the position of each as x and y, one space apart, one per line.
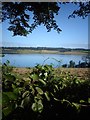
18 50
43 13
43 95
19 15
79 65
85 64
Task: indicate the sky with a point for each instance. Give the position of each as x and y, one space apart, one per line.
74 33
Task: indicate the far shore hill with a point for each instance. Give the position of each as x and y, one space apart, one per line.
45 50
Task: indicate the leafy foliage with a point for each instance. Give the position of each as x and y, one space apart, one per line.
19 15
71 64
24 17
61 96
83 11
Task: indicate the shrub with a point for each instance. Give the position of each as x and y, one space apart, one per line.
43 96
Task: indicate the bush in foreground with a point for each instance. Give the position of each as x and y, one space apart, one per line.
43 96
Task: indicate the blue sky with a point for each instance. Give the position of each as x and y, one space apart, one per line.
74 33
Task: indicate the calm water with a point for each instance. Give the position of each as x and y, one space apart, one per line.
30 60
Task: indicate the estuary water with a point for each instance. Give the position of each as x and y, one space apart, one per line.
31 60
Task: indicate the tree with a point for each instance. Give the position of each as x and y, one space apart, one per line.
19 15
83 11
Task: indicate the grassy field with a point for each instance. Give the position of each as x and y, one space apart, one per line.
81 73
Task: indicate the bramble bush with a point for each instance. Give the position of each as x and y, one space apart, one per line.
44 96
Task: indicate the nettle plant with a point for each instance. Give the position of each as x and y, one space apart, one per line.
41 92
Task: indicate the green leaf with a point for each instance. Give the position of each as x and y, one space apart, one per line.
82 101
25 101
40 106
42 81
13 86
10 95
56 99
88 100
32 89
34 107
7 110
39 90
56 87
25 94
34 76
37 106
38 97
16 91
10 77
47 95
5 100
78 107
8 105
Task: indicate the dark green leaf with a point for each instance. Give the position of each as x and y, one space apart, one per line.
10 95
7 110
42 81
47 95
34 76
39 90
37 106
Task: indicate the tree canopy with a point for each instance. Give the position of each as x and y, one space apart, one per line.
19 15
83 11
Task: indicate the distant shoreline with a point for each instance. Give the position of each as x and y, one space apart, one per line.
42 50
